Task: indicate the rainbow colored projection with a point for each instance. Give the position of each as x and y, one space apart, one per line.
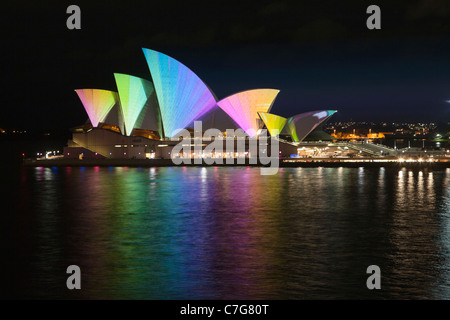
97 103
133 94
182 96
299 126
177 97
243 107
273 122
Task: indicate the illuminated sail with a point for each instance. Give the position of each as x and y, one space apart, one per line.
97 103
243 108
133 94
182 96
273 122
299 126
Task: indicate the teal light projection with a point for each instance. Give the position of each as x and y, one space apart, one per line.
182 95
299 126
133 94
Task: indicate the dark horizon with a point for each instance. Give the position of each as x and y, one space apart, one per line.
320 55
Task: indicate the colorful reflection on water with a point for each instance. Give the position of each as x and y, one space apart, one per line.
228 233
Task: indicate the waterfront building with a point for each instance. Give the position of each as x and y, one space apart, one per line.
142 118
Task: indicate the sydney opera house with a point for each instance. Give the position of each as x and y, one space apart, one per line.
141 119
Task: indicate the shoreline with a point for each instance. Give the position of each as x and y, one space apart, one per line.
332 163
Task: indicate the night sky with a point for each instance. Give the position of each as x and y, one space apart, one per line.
320 54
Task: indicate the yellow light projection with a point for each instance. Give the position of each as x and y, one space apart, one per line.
273 122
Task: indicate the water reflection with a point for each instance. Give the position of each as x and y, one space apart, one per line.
230 233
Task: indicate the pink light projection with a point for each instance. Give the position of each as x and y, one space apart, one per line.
243 108
97 103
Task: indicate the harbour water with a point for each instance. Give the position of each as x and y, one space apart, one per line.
224 232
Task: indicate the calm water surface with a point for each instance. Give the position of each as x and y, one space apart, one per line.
225 233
